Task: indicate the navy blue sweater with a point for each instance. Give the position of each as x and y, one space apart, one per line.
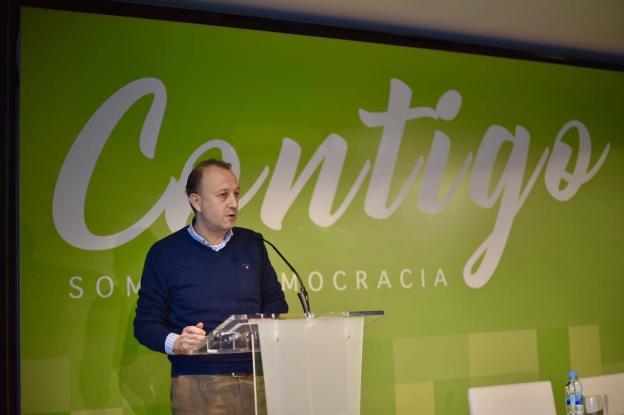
185 282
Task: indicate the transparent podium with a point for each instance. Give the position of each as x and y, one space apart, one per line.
304 365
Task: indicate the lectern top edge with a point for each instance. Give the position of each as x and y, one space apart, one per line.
361 313
237 333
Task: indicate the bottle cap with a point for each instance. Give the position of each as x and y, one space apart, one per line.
572 374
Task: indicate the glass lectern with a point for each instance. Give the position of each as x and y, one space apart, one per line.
304 365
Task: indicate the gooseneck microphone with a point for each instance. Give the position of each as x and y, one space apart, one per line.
302 294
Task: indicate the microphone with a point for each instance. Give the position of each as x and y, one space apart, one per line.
302 294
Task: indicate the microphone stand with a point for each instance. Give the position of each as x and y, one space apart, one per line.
302 294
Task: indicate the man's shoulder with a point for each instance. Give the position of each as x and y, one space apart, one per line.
248 233
175 239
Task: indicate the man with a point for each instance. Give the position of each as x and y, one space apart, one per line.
193 280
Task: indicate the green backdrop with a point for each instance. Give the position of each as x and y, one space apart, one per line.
476 200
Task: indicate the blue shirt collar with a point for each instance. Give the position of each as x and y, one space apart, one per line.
217 247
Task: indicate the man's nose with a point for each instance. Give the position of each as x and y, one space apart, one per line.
233 201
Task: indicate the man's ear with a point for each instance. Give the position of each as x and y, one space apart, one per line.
195 202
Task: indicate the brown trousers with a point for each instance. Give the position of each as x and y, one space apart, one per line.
216 395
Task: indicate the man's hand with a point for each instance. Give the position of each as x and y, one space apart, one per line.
190 337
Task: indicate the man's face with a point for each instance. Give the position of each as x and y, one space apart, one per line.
216 205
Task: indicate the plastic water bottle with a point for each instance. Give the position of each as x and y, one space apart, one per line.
574 395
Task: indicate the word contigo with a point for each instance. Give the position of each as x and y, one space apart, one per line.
565 169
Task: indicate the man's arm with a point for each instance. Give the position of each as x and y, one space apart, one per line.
151 323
